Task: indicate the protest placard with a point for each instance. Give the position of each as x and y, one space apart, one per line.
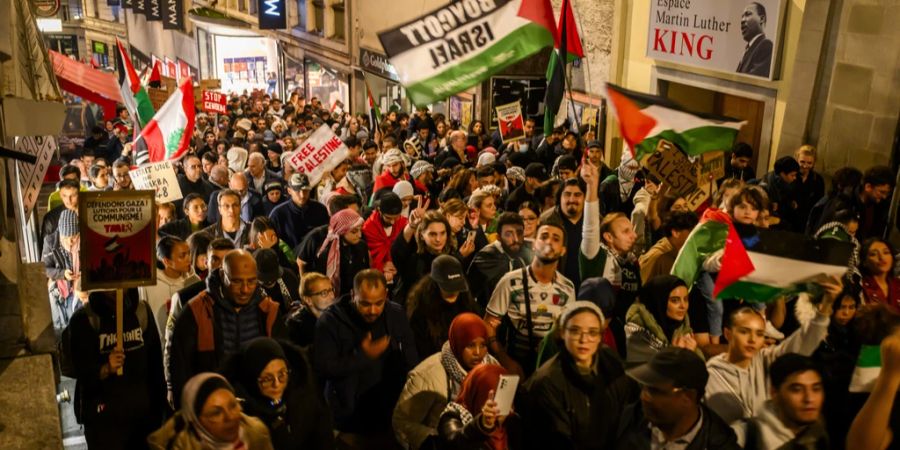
711 167
672 167
320 153
510 122
214 102
118 239
589 116
159 177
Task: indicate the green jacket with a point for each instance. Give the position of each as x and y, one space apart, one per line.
644 336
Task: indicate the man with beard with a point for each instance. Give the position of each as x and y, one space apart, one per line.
364 349
508 253
393 172
530 300
569 213
192 182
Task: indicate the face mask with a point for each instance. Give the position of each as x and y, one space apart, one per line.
523 147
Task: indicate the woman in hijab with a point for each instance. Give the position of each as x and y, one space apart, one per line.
438 379
659 319
576 398
473 420
210 419
340 253
275 381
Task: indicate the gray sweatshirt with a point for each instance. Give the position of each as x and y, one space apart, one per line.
735 393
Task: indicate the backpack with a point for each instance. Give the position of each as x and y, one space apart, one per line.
64 345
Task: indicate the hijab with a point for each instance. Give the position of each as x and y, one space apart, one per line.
474 393
339 224
194 396
255 356
655 297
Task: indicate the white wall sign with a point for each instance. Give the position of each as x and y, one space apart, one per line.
735 36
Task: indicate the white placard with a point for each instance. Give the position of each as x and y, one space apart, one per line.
320 153
31 176
159 177
735 36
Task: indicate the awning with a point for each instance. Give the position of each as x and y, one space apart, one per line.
88 83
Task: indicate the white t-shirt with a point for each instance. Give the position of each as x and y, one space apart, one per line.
547 302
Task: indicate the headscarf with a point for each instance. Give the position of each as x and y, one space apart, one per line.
655 297
474 393
516 173
68 223
255 356
194 396
464 329
340 223
404 189
627 169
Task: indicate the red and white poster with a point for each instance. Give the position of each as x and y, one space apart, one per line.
171 69
320 153
184 70
214 102
510 121
118 239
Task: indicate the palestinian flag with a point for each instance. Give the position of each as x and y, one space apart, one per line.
646 119
374 111
778 263
155 80
168 135
868 367
133 94
463 43
556 69
708 237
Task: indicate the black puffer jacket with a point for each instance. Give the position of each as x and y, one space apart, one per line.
714 434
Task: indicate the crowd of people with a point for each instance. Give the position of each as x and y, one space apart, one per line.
378 307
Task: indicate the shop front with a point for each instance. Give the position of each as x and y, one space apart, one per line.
328 84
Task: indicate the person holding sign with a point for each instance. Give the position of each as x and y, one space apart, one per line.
474 420
120 393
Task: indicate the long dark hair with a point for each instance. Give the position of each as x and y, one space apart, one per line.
425 296
864 251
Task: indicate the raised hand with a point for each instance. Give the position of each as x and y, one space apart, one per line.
373 348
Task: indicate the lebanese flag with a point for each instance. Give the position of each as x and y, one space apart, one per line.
780 264
646 119
137 102
168 135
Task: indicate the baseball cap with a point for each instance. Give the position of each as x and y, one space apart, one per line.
536 170
300 181
272 186
390 203
594 144
267 268
447 272
567 162
679 366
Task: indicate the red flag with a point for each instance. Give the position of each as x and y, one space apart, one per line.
573 41
155 80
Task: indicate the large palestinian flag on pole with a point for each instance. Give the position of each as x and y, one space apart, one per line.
780 263
463 43
168 135
137 102
646 119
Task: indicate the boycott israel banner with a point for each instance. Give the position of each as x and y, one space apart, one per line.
159 177
463 43
118 239
510 122
734 36
321 152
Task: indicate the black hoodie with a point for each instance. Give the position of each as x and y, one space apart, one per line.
139 394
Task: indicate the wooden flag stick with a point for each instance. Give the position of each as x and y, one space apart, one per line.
120 346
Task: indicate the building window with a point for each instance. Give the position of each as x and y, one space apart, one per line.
301 14
337 9
317 23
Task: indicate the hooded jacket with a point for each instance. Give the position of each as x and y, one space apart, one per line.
362 392
735 393
136 396
175 434
197 340
766 431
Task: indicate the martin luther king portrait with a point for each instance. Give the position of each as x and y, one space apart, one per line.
757 58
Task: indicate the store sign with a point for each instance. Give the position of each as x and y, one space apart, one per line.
377 64
272 14
154 10
127 4
214 102
321 152
173 15
734 36
140 6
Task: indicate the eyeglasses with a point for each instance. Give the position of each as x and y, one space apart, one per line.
592 334
321 293
269 381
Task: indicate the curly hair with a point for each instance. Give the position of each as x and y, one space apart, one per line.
430 218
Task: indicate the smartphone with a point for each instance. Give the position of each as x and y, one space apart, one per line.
471 236
506 393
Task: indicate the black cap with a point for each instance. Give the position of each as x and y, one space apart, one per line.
567 162
300 181
594 144
267 268
599 291
274 147
447 272
450 163
272 186
676 365
390 203
536 170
